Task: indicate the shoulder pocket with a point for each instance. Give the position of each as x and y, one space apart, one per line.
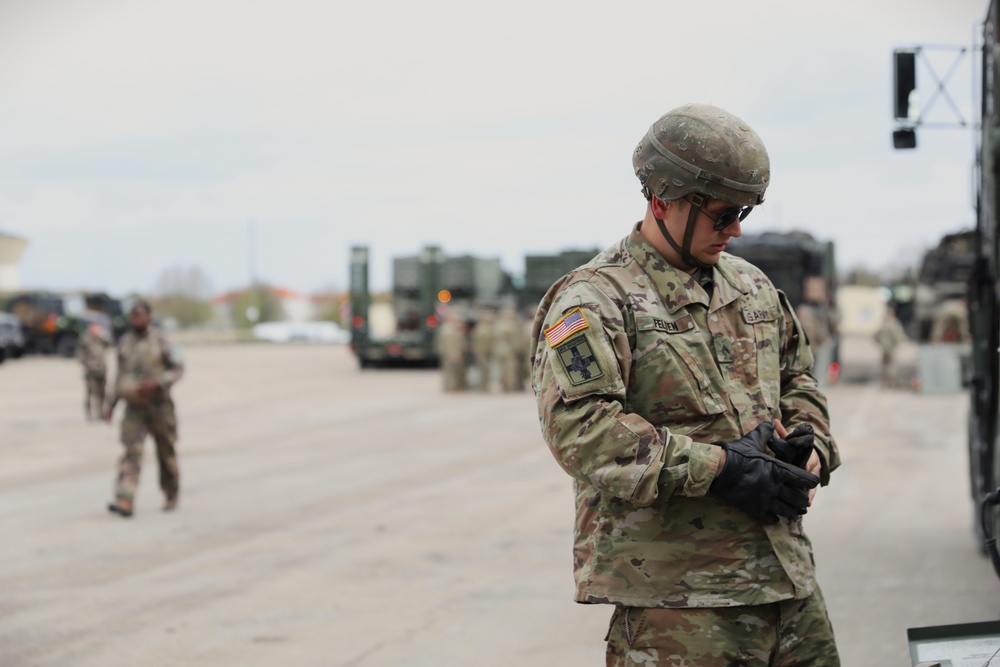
582 361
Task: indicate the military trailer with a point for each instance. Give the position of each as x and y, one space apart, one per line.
804 269
424 287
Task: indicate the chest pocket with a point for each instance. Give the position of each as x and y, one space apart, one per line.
146 359
670 382
765 323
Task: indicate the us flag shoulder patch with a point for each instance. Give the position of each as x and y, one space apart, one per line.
571 323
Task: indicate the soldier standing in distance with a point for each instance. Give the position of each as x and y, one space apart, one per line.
889 336
90 350
147 368
665 370
483 335
451 347
511 350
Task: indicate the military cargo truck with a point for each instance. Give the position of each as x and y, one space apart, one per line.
416 283
804 269
541 271
943 276
474 283
423 287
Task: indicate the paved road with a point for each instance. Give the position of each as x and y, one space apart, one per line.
331 517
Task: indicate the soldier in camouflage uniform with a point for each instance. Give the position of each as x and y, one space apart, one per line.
890 335
511 350
483 335
666 371
451 346
90 350
147 368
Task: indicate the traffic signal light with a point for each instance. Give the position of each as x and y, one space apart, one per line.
904 138
905 78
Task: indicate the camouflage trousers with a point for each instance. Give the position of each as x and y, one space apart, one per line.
890 372
484 370
454 376
93 402
791 633
159 420
511 378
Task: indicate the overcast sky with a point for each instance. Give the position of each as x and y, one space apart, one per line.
139 136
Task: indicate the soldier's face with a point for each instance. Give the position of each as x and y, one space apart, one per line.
707 244
139 318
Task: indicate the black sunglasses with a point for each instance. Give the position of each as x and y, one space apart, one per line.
721 222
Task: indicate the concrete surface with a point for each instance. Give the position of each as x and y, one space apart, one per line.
333 517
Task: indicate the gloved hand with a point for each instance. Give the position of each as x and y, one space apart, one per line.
796 447
761 485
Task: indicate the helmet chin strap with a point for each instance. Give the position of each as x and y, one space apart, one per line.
685 251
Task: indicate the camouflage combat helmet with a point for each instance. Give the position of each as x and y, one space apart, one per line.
696 152
701 149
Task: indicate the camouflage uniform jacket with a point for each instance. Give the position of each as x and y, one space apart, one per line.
90 351
142 357
630 399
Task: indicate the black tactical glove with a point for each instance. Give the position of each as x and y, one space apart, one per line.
794 448
761 485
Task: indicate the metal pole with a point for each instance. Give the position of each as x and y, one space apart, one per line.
252 261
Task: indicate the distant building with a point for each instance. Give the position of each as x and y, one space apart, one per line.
295 307
861 309
11 249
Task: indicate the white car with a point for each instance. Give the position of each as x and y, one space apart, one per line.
309 332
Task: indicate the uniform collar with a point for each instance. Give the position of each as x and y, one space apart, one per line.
679 289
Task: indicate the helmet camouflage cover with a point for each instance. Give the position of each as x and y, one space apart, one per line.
701 149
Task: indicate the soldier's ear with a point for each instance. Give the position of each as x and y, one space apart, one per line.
660 207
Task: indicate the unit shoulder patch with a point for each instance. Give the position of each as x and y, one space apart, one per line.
579 360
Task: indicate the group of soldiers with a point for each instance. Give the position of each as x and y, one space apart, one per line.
471 350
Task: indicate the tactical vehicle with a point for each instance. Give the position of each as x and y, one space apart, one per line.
804 269
944 275
52 323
